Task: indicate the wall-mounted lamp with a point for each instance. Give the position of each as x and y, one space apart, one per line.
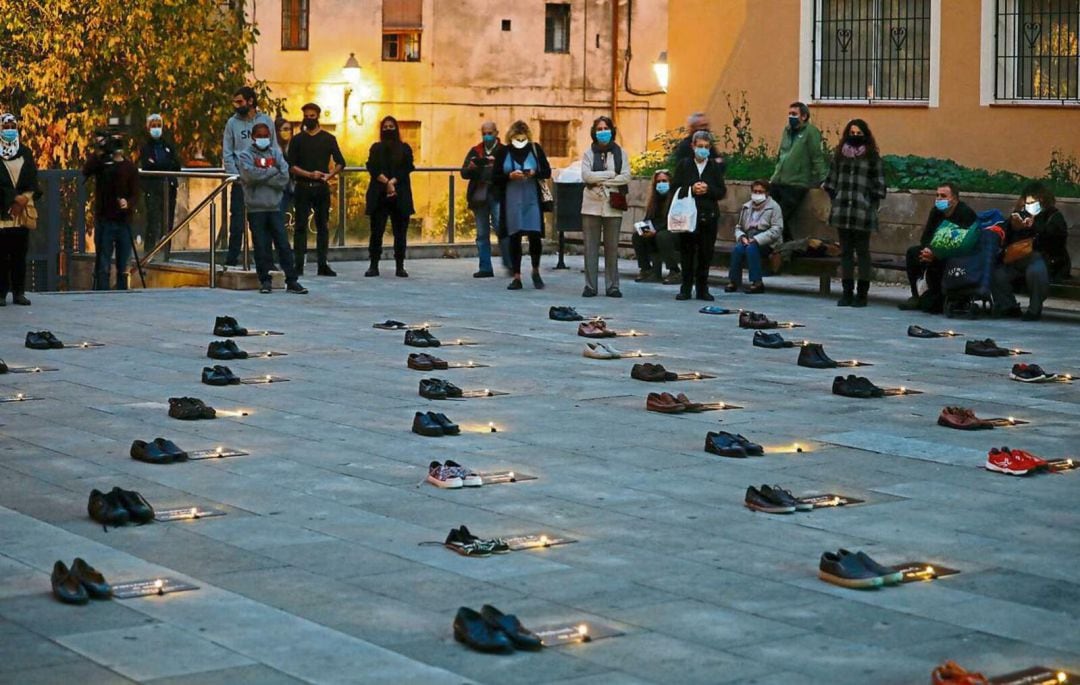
351 74
660 67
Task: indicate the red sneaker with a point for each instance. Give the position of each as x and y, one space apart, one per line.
1004 461
951 673
1036 462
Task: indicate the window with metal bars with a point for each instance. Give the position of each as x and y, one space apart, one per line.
555 138
872 50
294 24
1037 51
557 27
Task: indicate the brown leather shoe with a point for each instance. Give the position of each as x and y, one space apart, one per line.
961 419
682 399
594 329
420 362
663 403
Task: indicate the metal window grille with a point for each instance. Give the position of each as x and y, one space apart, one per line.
557 27
294 24
872 50
1037 56
401 47
555 138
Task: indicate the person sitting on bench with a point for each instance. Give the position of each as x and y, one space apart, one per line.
921 262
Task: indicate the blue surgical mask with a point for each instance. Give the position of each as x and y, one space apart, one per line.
155 132
941 205
9 135
663 187
489 138
1033 208
262 143
702 153
603 137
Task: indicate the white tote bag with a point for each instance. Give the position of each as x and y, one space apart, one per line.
682 214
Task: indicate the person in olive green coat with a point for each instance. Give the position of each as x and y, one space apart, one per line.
802 164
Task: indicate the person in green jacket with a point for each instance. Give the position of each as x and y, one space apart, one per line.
802 164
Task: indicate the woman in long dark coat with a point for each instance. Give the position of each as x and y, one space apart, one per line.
390 163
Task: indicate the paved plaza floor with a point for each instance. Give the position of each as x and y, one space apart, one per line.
317 573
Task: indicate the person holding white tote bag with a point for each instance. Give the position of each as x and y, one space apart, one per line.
701 178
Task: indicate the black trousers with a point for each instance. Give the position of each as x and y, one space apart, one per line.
652 253
696 250
311 198
789 198
934 272
536 248
14 243
159 221
855 244
399 225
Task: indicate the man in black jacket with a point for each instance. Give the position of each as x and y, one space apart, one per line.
158 154
116 187
920 260
483 198
310 154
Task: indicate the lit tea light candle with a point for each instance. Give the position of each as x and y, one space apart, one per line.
583 632
159 585
471 363
19 396
723 405
1011 420
544 542
37 369
269 378
194 512
1016 351
219 449
903 390
1062 677
86 344
1068 376
798 447
491 427
930 571
950 332
459 341
633 332
487 391
697 374
1069 462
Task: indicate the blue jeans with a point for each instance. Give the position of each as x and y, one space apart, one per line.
268 231
236 224
752 254
110 236
487 222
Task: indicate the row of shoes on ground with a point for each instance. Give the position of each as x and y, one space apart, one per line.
771 341
749 319
951 673
856 570
812 355
224 350
118 507
434 425
599 350
78 584
666 403
985 348
726 444
564 314
490 630
1013 462
190 409
421 338
158 451
452 475
42 340
856 386
426 362
752 289
962 418
462 541
774 500
597 328
1031 373
219 375
653 373
439 389
227 327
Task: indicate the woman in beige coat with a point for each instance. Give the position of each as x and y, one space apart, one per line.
605 169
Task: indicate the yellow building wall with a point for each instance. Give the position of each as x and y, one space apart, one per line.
721 47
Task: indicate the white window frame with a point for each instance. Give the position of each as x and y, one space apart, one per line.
808 63
988 67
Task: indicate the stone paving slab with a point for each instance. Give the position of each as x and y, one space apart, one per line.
317 572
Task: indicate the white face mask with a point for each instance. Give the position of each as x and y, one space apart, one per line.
1033 208
519 144
757 198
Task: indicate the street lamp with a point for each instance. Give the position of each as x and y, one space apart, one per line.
660 67
351 72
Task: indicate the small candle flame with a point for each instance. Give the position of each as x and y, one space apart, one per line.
903 390
583 630
159 583
220 449
544 540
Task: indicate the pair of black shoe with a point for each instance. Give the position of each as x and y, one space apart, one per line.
774 500
702 294
772 341
42 340
653 373
985 348
160 451
219 375
855 386
812 355
224 349
462 541
434 425
227 327
490 630
438 389
421 338
564 314
190 409
117 507
79 583
727 444
856 570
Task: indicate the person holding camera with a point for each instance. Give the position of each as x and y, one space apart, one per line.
116 186
477 169
18 190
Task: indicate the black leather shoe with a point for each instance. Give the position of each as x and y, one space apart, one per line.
35 341
3 366
920 332
514 284
325 270
564 314
432 389
296 289
216 349
752 448
54 342
704 295
20 299
432 341
448 426
484 274
471 629
424 424
138 509
237 353
227 327
522 637
106 509
91 579
538 282
372 272
66 586
772 341
858 387
725 445
984 348
414 339
189 409
169 447
149 453
228 374
812 355
211 376
400 272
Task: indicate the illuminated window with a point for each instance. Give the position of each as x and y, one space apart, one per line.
403 22
1037 56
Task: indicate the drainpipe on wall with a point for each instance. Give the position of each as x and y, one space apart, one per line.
615 62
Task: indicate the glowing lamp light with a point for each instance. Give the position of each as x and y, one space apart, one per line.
1062 677
663 73
351 70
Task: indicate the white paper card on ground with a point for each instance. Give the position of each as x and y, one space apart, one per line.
922 571
501 477
150 587
559 634
84 345
830 500
1036 675
263 380
266 355
216 453
536 541
30 369
187 513
19 397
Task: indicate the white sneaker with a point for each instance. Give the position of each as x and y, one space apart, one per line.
599 350
468 477
444 476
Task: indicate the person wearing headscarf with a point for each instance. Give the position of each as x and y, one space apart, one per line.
390 163
18 191
158 154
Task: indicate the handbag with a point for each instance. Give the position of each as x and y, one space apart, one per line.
29 217
951 240
547 199
1014 252
682 214
617 200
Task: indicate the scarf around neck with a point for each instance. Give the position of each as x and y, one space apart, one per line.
851 152
8 150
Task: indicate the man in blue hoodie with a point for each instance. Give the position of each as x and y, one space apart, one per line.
237 138
264 173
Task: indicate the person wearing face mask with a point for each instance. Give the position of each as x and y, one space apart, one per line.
237 137
264 173
605 169
760 226
654 245
18 191
284 130
920 260
158 154
520 167
703 177
800 166
856 185
315 160
478 169
698 121
1036 253
116 185
390 163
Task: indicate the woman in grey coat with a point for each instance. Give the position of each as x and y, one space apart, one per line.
856 185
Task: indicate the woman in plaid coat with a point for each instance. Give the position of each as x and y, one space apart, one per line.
856 185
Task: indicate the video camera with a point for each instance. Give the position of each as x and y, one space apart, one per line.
110 140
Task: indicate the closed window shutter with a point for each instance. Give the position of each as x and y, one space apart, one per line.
403 15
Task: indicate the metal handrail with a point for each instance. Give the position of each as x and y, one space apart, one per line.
226 181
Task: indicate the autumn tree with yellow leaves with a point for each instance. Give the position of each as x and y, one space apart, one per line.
66 66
